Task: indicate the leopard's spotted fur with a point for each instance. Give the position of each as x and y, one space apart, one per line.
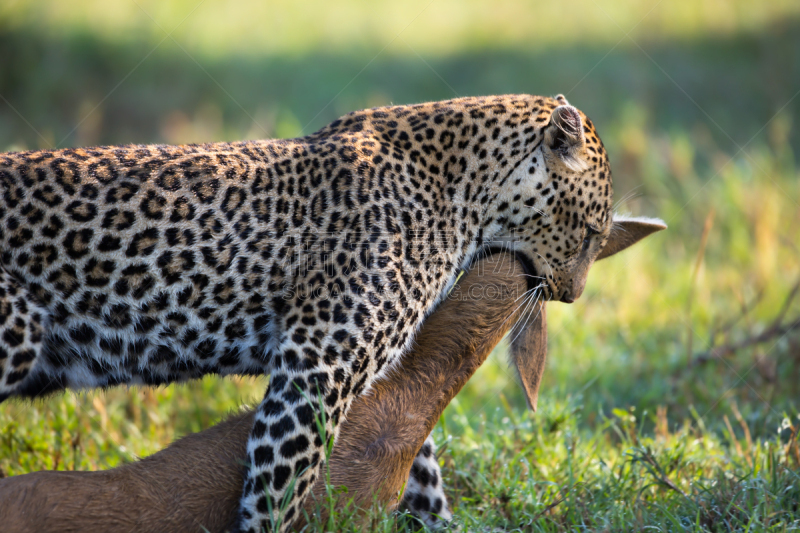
313 259
424 496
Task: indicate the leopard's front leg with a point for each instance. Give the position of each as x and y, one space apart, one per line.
294 423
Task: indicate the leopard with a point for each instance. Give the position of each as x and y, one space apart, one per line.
424 497
313 260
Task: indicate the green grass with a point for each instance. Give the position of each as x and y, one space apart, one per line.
630 433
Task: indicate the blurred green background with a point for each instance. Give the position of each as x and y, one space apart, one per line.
696 100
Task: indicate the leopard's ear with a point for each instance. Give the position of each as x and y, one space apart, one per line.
528 352
626 231
564 137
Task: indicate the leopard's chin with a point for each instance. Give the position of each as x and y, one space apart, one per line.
532 276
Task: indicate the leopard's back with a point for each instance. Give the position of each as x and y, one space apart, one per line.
161 263
146 258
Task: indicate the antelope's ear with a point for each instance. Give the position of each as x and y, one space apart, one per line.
626 231
529 353
564 136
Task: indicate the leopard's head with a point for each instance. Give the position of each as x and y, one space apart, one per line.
555 209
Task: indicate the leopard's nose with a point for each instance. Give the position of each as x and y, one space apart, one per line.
569 295
574 289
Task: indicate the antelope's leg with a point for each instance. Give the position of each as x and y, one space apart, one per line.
191 486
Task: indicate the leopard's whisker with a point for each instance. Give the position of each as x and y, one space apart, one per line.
630 195
538 211
526 315
526 295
